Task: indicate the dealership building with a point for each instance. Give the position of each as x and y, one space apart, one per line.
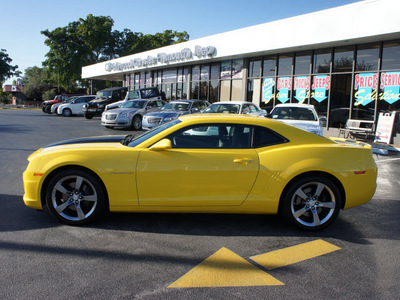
344 60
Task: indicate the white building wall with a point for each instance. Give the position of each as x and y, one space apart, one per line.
365 21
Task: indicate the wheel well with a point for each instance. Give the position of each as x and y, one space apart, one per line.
318 174
64 168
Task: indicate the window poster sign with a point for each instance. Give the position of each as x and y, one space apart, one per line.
365 86
284 86
268 89
301 88
320 87
390 86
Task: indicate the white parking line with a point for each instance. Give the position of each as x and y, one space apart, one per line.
386 160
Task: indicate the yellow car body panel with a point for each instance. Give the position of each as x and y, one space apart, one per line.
207 180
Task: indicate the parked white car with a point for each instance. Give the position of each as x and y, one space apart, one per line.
55 106
236 107
303 116
75 107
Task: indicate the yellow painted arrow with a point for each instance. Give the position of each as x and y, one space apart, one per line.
225 268
294 254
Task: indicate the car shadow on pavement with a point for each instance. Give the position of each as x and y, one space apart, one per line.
373 220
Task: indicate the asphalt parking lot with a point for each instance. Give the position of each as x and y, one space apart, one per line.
186 256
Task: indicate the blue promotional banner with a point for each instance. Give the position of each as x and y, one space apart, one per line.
390 85
365 85
284 86
268 89
321 86
301 88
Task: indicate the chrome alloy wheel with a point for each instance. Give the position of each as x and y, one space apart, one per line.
74 198
313 204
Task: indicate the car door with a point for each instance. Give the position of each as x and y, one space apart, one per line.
211 165
77 106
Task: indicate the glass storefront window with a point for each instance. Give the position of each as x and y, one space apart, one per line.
226 69
391 56
203 90
269 66
302 63
367 57
169 76
320 87
255 68
285 64
205 72
214 88
343 59
237 90
365 94
322 61
268 92
215 71
237 68
389 94
225 90
284 88
195 88
196 73
340 100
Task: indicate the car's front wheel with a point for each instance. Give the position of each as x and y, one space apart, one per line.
75 197
66 112
137 122
311 203
88 116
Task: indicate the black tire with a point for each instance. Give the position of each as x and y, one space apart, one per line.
47 109
137 123
88 116
67 112
311 203
109 127
75 197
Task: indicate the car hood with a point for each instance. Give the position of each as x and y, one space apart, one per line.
168 113
96 139
120 110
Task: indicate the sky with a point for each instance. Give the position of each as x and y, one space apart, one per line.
22 21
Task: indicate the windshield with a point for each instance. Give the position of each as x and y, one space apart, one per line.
132 141
134 104
293 113
223 108
133 95
103 94
176 106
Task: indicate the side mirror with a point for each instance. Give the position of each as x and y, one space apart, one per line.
149 107
164 144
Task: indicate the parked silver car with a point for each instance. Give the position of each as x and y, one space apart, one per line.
130 114
172 110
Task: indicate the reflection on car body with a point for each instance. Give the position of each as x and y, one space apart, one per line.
206 164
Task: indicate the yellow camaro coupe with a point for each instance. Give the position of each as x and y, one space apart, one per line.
203 164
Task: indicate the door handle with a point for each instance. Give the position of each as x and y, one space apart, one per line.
243 161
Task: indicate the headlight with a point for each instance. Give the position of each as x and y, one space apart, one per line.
125 114
170 118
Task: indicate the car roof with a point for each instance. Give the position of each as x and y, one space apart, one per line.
294 105
232 102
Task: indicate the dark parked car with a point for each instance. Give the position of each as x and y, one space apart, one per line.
104 97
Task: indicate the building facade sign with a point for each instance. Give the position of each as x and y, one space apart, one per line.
320 87
390 86
161 58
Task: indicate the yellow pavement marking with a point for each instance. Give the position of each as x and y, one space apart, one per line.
222 269
294 254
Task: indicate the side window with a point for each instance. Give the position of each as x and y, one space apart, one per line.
196 105
213 136
265 137
245 109
253 108
203 105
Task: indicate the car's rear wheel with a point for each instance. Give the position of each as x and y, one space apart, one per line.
66 112
311 203
47 109
137 123
75 197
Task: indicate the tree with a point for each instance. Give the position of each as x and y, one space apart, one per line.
36 82
7 70
91 40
